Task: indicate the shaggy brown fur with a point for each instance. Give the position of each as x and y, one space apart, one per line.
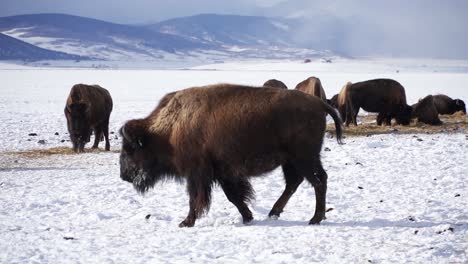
448 106
226 134
426 112
88 108
275 84
384 96
333 101
313 86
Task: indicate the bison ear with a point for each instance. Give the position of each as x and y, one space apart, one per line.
134 132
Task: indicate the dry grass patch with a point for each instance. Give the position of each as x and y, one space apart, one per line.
456 123
37 153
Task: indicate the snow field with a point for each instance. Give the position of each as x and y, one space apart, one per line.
395 198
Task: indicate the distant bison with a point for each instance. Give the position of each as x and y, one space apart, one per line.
384 96
275 84
88 108
334 102
447 106
226 134
426 112
313 86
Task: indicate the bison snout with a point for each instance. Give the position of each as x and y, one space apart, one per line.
126 178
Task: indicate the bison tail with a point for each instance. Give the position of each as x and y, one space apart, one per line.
338 123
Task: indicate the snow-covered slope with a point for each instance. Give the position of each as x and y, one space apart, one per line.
94 38
208 37
230 30
14 49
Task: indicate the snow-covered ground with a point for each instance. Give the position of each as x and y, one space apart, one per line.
395 198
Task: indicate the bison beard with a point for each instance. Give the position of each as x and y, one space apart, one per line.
224 134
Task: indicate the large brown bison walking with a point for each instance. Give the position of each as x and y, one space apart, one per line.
225 134
313 86
447 106
384 96
88 108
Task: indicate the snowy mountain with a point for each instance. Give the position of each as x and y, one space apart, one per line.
93 38
214 37
13 49
230 29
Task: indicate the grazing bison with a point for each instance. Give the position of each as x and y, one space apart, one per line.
334 102
447 106
275 84
426 112
313 86
225 134
384 96
88 108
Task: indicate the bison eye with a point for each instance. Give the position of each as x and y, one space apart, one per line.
140 143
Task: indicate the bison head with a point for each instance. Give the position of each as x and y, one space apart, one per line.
142 161
333 101
458 105
404 116
78 125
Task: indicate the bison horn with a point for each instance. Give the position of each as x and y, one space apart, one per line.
128 132
124 133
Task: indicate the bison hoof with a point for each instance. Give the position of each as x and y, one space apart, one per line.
247 220
316 220
186 223
274 214
273 217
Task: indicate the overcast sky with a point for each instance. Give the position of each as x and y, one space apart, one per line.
134 11
402 27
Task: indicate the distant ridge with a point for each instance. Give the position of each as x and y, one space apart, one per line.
202 37
13 49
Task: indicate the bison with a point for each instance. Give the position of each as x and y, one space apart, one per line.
447 106
313 86
384 96
275 84
426 112
88 108
225 134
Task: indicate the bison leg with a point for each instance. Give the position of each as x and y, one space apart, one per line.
354 115
97 136
348 117
105 129
200 197
320 191
293 180
351 115
388 120
380 118
239 192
